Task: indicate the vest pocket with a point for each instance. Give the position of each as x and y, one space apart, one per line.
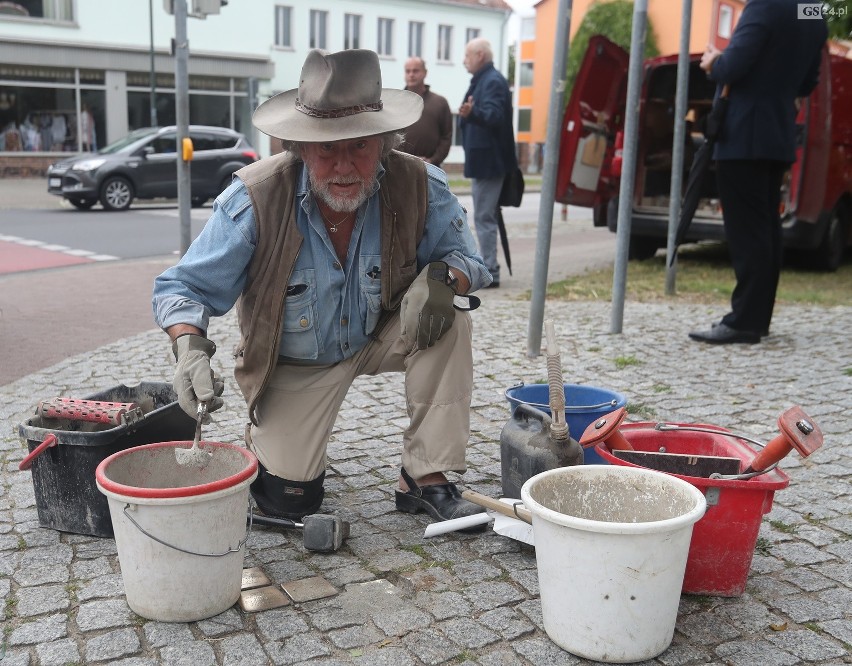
300 330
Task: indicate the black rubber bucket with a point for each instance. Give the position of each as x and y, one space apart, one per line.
67 497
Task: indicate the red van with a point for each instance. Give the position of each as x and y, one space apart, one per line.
817 190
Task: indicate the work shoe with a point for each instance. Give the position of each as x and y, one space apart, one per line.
442 501
722 334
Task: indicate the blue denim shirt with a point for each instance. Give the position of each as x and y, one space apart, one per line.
330 309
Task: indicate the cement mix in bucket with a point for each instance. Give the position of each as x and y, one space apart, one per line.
638 500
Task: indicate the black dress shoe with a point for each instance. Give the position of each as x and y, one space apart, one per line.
442 501
763 333
722 334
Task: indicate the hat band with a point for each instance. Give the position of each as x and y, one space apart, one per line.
343 112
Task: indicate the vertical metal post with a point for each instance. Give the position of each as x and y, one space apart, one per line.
182 111
556 112
628 174
681 99
153 75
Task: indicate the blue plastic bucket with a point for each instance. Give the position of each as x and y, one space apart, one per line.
583 404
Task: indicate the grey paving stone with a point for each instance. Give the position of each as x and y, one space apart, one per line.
468 633
431 647
39 631
161 634
297 649
40 600
839 629
106 614
507 622
58 653
807 645
196 653
486 596
355 637
242 650
754 653
542 652
110 585
112 645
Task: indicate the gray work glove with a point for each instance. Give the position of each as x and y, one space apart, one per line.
427 308
194 379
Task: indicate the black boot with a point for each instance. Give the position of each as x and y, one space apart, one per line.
442 501
283 498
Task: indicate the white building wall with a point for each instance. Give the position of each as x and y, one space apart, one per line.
245 28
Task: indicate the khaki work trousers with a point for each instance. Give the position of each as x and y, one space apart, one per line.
297 411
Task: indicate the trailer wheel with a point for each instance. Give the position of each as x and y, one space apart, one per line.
643 247
828 256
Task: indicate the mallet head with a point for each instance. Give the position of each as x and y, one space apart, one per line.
324 533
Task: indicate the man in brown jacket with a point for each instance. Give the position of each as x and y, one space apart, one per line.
343 257
430 137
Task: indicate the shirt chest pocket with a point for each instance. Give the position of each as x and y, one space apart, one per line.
370 279
300 330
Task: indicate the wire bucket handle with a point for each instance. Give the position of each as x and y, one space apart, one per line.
183 550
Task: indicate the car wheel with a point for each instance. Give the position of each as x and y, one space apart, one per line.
197 202
829 253
116 193
82 204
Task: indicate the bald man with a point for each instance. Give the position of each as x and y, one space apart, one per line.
430 137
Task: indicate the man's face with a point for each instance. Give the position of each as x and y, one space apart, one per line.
473 59
342 173
415 73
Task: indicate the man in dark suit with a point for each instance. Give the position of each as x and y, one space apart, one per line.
771 62
485 120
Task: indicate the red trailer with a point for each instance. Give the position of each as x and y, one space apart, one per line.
817 191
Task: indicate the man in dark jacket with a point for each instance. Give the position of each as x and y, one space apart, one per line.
771 62
485 119
430 137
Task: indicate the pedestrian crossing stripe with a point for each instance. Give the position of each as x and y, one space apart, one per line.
53 247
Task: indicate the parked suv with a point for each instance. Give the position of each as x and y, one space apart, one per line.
143 165
816 196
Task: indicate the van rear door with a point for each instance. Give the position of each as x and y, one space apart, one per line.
594 113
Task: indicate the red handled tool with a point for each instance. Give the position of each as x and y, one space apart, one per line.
605 430
798 431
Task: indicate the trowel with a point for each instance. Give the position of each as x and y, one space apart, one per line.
509 516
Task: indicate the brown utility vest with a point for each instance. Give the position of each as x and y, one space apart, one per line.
272 184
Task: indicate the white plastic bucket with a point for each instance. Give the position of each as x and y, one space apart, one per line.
180 530
611 550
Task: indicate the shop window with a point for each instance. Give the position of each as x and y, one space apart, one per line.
51 10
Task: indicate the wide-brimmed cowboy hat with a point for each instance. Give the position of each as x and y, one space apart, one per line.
340 96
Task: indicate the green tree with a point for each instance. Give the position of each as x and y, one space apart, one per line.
613 20
838 15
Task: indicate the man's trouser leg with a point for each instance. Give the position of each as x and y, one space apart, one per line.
486 194
298 409
750 192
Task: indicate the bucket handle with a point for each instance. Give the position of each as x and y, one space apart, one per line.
183 550
27 462
668 427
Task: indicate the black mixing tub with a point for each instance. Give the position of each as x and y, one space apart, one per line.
67 497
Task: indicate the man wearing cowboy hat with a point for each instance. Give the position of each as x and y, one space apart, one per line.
343 257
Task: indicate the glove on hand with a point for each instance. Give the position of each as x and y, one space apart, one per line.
427 308
194 379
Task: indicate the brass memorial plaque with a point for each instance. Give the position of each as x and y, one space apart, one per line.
262 598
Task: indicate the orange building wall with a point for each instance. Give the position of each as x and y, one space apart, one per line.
664 16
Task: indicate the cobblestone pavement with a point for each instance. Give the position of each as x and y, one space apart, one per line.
465 599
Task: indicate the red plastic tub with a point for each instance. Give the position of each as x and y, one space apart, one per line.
723 540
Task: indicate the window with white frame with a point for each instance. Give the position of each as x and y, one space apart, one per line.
352 32
726 21
415 38
384 45
471 33
445 43
526 74
283 26
528 28
319 25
